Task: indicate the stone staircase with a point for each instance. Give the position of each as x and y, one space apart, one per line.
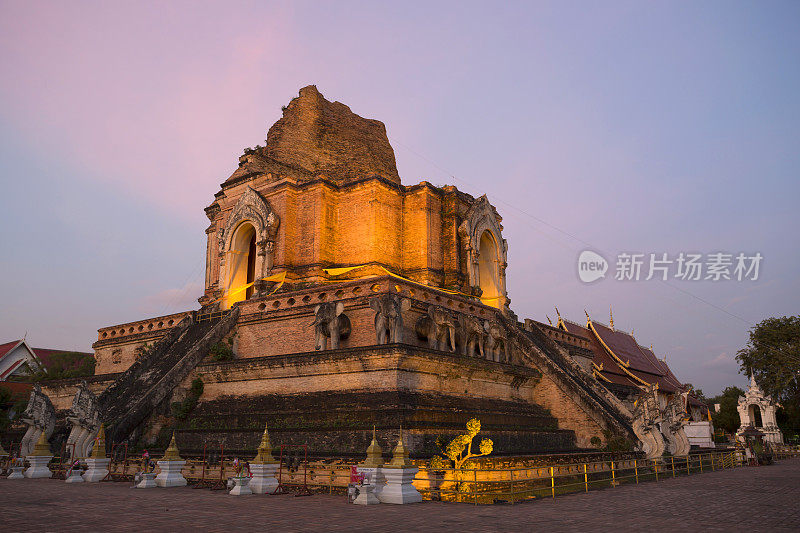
151 379
569 376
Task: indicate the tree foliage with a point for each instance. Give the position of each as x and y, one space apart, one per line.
66 365
772 355
728 416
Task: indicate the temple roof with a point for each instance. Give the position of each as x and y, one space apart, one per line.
620 359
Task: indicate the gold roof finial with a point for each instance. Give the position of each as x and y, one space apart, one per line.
611 318
42 447
548 320
588 320
172 453
399 454
374 453
99 448
264 455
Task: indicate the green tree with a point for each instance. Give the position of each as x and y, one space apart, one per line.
728 416
772 355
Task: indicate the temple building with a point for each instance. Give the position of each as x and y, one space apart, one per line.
624 367
338 299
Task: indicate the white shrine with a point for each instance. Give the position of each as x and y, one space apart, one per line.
758 410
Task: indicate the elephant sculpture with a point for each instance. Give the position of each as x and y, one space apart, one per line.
496 343
389 317
475 336
330 322
438 327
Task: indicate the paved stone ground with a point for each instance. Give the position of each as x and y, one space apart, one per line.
742 499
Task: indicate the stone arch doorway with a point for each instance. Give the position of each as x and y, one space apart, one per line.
242 261
489 270
755 416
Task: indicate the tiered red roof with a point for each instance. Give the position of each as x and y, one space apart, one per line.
619 359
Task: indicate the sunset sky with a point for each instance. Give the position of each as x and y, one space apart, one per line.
641 127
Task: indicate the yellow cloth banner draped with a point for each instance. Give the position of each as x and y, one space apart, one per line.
345 270
281 279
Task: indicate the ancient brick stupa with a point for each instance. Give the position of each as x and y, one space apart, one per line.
336 298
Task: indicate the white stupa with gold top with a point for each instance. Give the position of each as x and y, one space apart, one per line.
399 474
171 467
370 468
263 467
97 463
39 459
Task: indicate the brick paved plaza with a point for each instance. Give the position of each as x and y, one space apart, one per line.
742 499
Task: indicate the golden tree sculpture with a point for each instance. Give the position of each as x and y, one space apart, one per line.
459 451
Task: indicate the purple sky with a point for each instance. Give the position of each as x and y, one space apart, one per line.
633 126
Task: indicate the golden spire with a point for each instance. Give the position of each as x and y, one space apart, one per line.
374 453
172 454
42 448
399 454
99 448
264 455
611 318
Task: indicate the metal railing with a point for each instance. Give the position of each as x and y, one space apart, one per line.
514 485
475 485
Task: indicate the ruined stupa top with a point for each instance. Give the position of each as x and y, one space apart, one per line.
317 137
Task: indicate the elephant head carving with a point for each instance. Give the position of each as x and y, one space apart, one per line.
389 317
330 322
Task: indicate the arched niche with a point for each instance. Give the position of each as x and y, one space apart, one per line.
489 269
246 246
755 415
241 264
485 252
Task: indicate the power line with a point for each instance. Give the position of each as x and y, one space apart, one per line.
562 231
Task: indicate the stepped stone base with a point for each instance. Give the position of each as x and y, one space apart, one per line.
340 424
170 475
38 468
97 469
263 480
399 488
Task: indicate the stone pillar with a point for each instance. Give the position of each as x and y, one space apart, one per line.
171 467
74 476
399 475
263 468
16 472
240 487
39 459
148 481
